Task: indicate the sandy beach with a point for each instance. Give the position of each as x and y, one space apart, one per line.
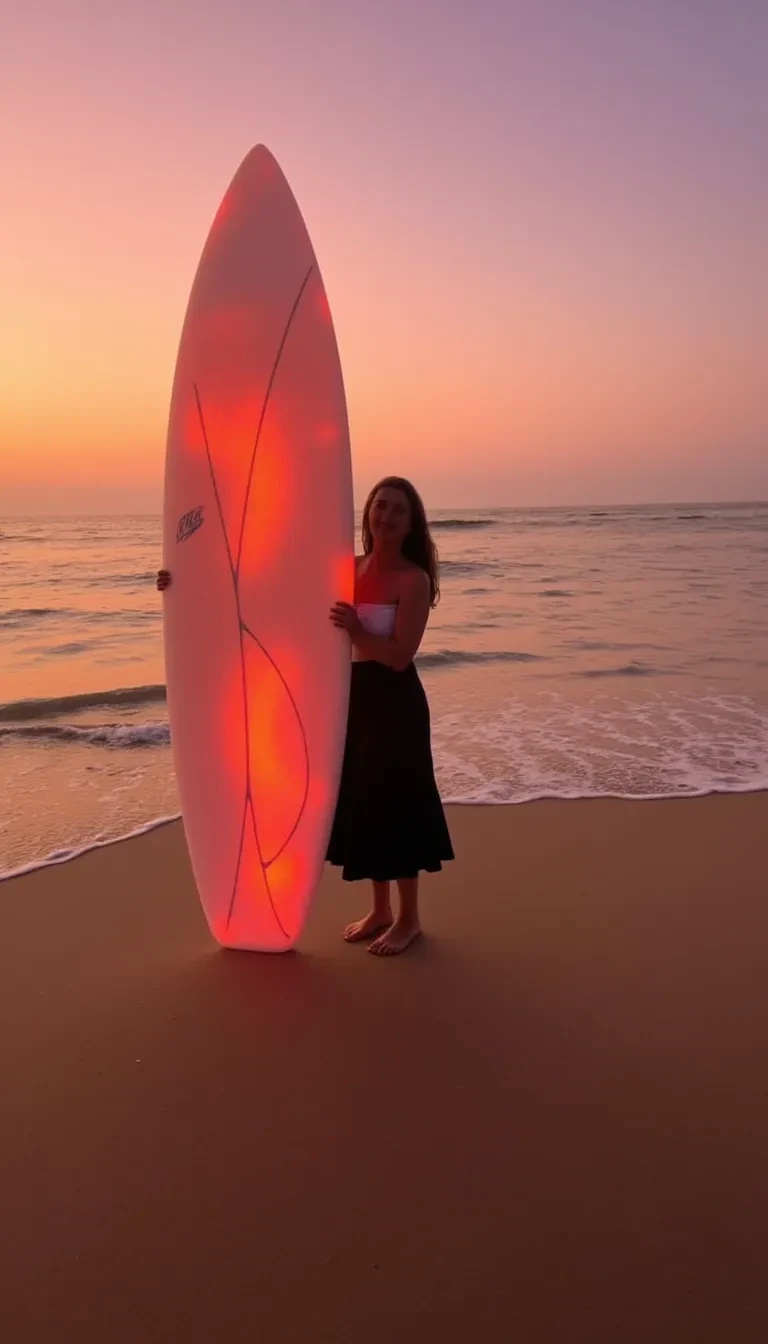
546 1122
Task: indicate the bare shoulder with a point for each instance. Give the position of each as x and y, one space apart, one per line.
415 581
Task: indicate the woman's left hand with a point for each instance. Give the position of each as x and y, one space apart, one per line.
344 615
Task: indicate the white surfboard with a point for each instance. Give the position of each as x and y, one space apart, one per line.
258 536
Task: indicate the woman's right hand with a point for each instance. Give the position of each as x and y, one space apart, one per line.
163 579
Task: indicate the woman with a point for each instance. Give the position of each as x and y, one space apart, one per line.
389 823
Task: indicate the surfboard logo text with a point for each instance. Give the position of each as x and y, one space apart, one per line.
189 523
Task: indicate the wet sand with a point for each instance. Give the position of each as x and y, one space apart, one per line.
547 1121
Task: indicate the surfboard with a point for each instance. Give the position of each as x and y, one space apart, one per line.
258 537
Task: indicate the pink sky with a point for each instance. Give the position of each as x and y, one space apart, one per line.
542 227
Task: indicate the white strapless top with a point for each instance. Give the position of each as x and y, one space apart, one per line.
378 618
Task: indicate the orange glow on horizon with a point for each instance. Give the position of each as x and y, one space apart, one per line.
535 300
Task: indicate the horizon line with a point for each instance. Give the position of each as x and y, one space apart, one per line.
446 508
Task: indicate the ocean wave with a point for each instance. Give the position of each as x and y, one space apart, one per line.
679 744
464 569
20 615
29 618
456 657
628 670
66 650
612 646
53 706
95 735
121 580
556 592
631 516
445 523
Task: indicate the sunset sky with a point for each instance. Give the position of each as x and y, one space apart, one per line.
542 225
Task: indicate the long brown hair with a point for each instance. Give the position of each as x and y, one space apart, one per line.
418 546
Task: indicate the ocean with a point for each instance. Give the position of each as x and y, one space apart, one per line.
574 653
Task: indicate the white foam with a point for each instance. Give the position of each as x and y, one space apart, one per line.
657 747
476 800
66 855
543 746
566 796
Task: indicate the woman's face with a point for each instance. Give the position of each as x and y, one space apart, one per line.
390 515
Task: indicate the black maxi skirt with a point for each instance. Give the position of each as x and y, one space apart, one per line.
389 820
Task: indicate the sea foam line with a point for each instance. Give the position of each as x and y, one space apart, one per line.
66 856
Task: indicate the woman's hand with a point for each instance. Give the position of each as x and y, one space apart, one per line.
345 617
163 579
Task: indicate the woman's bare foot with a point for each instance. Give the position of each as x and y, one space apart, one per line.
368 927
396 939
